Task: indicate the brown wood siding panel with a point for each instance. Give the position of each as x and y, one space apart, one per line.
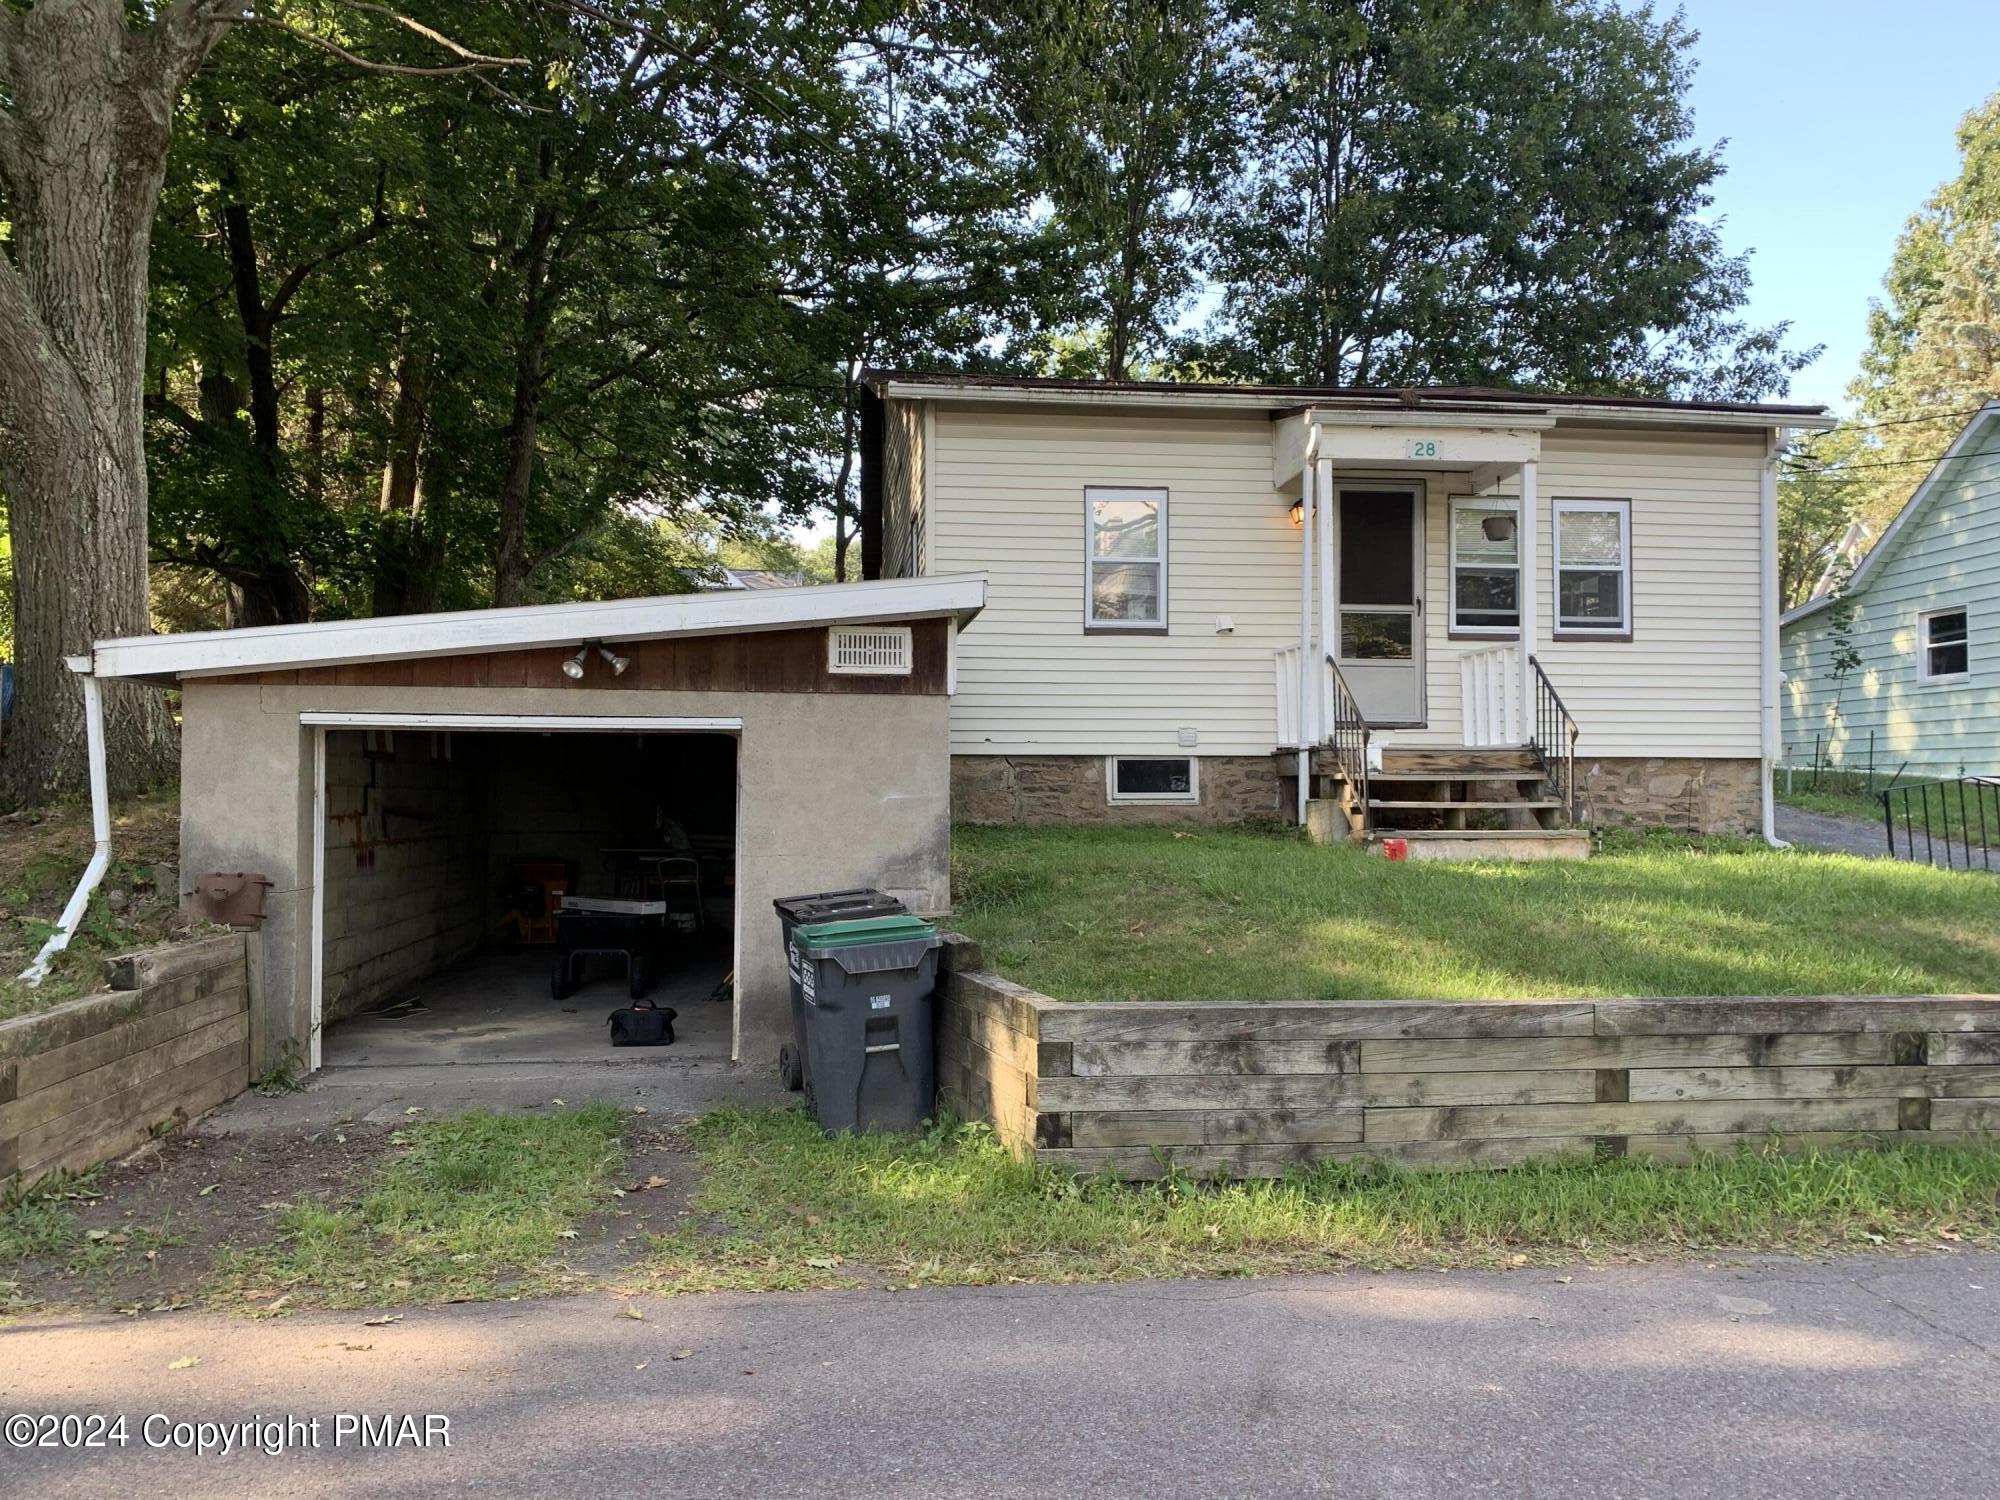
769 661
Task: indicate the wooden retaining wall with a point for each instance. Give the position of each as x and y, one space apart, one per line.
90 1079
1252 1089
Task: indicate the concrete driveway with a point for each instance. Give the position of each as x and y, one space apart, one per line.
1766 1381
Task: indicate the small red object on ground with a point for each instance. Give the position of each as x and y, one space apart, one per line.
1395 848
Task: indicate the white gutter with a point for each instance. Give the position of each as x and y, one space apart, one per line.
1767 516
100 827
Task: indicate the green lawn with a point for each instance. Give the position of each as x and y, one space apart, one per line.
474 1206
789 1207
1231 914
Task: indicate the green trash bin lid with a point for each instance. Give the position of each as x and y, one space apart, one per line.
862 931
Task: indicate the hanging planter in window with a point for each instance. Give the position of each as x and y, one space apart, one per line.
1498 528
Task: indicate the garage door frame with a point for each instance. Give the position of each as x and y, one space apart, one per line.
319 721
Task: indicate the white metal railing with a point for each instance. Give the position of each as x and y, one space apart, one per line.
1489 696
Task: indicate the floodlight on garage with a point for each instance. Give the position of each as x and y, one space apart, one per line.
612 659
573 668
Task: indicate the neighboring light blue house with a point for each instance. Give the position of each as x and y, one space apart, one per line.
1925 623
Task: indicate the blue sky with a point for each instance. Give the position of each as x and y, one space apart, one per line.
1839 116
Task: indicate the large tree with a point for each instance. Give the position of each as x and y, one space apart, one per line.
1480 192
1128 109
90 91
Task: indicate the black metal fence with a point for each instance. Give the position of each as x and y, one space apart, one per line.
1949 823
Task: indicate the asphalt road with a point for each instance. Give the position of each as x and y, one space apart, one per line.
1777 1379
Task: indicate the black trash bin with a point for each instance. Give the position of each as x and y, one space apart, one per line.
867 1021
798 911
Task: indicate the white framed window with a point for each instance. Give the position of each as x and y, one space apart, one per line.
1943 645
1152 778
1125 559
1593 561
1485 567
868 650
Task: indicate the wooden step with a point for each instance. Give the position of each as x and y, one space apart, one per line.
1417 834
1524 803
1464 765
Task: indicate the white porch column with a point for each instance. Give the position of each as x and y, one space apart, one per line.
1307 509
1528 532
1329 578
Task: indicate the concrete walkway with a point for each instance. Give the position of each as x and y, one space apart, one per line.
1771 1381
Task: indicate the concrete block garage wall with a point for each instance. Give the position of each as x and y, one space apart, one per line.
88 1080
406 868
1253 1089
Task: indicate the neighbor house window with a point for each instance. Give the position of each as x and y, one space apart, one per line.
1485 567
1943 641
1125 563
1593 567
1137 778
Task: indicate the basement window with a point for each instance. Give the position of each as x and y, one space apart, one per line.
868 650
1138 778
1945 645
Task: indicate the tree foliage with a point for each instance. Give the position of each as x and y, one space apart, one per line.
509 300
1485 192
1933 355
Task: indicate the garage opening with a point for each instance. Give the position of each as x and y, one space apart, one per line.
492 895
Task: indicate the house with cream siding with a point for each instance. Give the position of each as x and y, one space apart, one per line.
1516 615
1921 618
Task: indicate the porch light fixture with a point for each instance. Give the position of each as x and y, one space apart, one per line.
613 660
1299 513
573 668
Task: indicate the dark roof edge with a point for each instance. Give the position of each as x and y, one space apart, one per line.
879 380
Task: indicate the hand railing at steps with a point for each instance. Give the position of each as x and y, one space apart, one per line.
1347 735
1554 740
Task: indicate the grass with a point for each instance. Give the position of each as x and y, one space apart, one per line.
474 1206
1235 914
803 1209
41 857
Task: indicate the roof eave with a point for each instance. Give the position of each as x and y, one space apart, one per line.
167 659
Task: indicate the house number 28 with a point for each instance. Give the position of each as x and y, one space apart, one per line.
1423 448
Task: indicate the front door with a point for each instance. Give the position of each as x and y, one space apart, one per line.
1381 646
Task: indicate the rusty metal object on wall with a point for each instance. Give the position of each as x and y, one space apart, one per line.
234 899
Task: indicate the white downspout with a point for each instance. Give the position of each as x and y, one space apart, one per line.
1767 508
1308 516
100 827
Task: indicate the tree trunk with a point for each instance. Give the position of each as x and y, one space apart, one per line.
512 563
84 153
405 558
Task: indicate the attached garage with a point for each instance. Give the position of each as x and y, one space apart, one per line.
413 788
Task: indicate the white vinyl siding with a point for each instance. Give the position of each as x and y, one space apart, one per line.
1945 557
1005 499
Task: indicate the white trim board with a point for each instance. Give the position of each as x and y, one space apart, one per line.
163 658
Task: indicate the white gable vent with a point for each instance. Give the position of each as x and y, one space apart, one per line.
869 650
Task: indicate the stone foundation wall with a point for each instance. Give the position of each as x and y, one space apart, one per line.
1251 1089
1688 795
1027 789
